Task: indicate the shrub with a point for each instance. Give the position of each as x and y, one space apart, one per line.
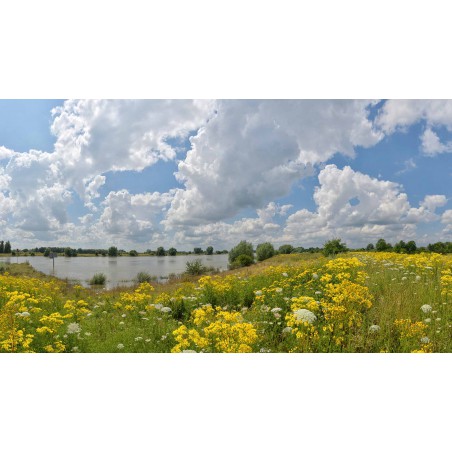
195 267
243 248
264 251
244 260
112 251
98 279
133 253
144 277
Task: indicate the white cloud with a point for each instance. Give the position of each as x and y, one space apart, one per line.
431 144
358 208
253 151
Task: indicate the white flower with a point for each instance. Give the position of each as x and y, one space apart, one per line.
278 290
139 338
374 328
124 316
264 350
144 318
188 351
75 349
418 278
25 314
315 276
87 334
427 320
404 278
438 319
425 340
73 328
142 313
166 309
258 292
158 306
426 308
277 315
120 346
285 274
305 315
276 309
287 330
317 292
121 323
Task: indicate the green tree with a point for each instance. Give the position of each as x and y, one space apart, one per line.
411 247
7 247
264 251
112 251
285 249
172 252
333 247
197 250
382 245
209 250
2 247
160 251
133 253
47 252
69 252
400 247
243 247
370 247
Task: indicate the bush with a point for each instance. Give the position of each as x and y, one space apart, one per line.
133 253
244 260
143 277
98 279
195 267
264 251
112 251
243 248
172 252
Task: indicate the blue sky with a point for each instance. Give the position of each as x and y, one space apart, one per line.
142 174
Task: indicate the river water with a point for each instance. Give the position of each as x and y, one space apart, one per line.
119 270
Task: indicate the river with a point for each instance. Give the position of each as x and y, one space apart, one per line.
118 270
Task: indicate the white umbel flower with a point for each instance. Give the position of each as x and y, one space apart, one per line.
73 328
305 315
425 308
165 309
425 340
374 328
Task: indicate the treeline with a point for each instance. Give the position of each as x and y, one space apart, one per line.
410 247
5 247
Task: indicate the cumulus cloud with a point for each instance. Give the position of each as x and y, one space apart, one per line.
358 208
253 151
400 114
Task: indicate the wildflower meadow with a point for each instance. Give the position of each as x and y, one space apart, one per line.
359 302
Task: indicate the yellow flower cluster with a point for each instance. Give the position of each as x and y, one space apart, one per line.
218 331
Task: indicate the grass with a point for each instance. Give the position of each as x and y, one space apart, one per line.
98 279
367 302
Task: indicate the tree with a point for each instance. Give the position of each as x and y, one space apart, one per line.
285 249
2 247
370 247
333 247
400 247
209 250
264 251
7 247
133 253
47 252
243 247
197 250
411 247
112 251
160 251
382 245
172 252
69 252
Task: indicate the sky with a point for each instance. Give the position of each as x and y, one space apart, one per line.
139 174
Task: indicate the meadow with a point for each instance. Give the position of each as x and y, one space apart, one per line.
356 302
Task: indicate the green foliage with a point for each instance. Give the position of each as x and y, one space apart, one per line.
145 277
370 247
209 250
264 251
133 253
98 279
112 251
333 247
7 248
160 251
69 252
195 267
2 246
47 252
285 249
197 250
244 248
244 260
172 252
382 245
